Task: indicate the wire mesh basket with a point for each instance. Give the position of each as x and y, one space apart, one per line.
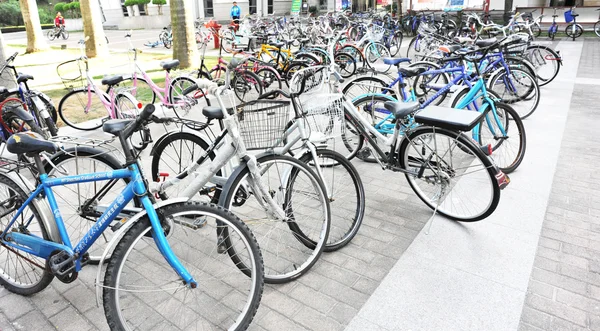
515 44
376 32
324 116
262 123
424 28
71 73
310 80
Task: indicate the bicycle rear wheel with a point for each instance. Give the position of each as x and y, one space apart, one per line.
143 292
546 62
517 88
21 272
291 247
449 172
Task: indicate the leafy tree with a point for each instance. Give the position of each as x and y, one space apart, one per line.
10 13
159 3
59 7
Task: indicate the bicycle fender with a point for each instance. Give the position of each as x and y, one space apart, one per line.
457 92
117 237
41 205
387 96
21 113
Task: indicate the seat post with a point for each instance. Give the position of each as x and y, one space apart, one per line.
39 164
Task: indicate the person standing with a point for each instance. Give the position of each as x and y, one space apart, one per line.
236 12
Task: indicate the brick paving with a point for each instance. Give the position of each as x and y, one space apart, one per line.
564 289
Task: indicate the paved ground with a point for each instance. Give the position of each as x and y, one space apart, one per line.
492 275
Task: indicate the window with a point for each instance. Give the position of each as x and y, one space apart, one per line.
323 4
208 8
142 10
125 13
269 6
252 6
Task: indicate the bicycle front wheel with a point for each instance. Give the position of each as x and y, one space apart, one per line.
51 35
290 247
65 34
143 292
246 85
82 110
345 192
517 88
448 172
597 28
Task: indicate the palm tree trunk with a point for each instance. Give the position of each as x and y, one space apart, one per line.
31 18
184 41
92 28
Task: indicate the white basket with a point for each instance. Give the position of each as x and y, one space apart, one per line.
310 80
376 33
424 28
324 116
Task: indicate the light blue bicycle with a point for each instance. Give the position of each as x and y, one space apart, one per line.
150 281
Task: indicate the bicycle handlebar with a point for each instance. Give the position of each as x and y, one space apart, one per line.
139 121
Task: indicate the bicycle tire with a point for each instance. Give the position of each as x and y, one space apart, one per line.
65 34
300 255
483 138
345 219
214 272
127 108
79 100
538 61
346 63
270 79
50 34
14 199
597 28
180 97
509 93
428 168
367 85
375 53
425 86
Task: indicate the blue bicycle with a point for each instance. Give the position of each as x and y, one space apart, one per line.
508 150
150 281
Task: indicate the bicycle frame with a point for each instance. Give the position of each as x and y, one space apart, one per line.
106 99
44 248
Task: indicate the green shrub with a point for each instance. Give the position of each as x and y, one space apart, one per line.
59 7
45 15
75 5
130 3
10 13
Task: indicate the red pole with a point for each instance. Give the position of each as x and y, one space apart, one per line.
486 6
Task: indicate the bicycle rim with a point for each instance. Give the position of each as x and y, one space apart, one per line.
453 176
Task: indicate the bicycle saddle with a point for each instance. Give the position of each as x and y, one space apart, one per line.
402 109
112 80
449 118
486 42
30 143
395 60
23 78
212 112
168 65
411 72
277 44
115 126
450 48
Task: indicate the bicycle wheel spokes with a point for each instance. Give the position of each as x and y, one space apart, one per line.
143 292
451 176
74 110
289 247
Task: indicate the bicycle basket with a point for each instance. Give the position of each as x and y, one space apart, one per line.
71 74
309 80
324 115
568 16
424 28
515 44
262 123
376 33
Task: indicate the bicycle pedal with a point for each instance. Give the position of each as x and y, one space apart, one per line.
502 179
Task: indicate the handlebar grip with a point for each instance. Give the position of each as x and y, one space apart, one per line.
146 113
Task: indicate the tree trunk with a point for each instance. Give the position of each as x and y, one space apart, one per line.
7 78
399 9
92 28
31 19
184 41
508 4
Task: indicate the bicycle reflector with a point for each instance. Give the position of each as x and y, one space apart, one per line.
139 105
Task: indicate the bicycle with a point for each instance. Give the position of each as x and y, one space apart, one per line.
147 271
38 103
554 26
80 110
290 202
58 32
573 30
